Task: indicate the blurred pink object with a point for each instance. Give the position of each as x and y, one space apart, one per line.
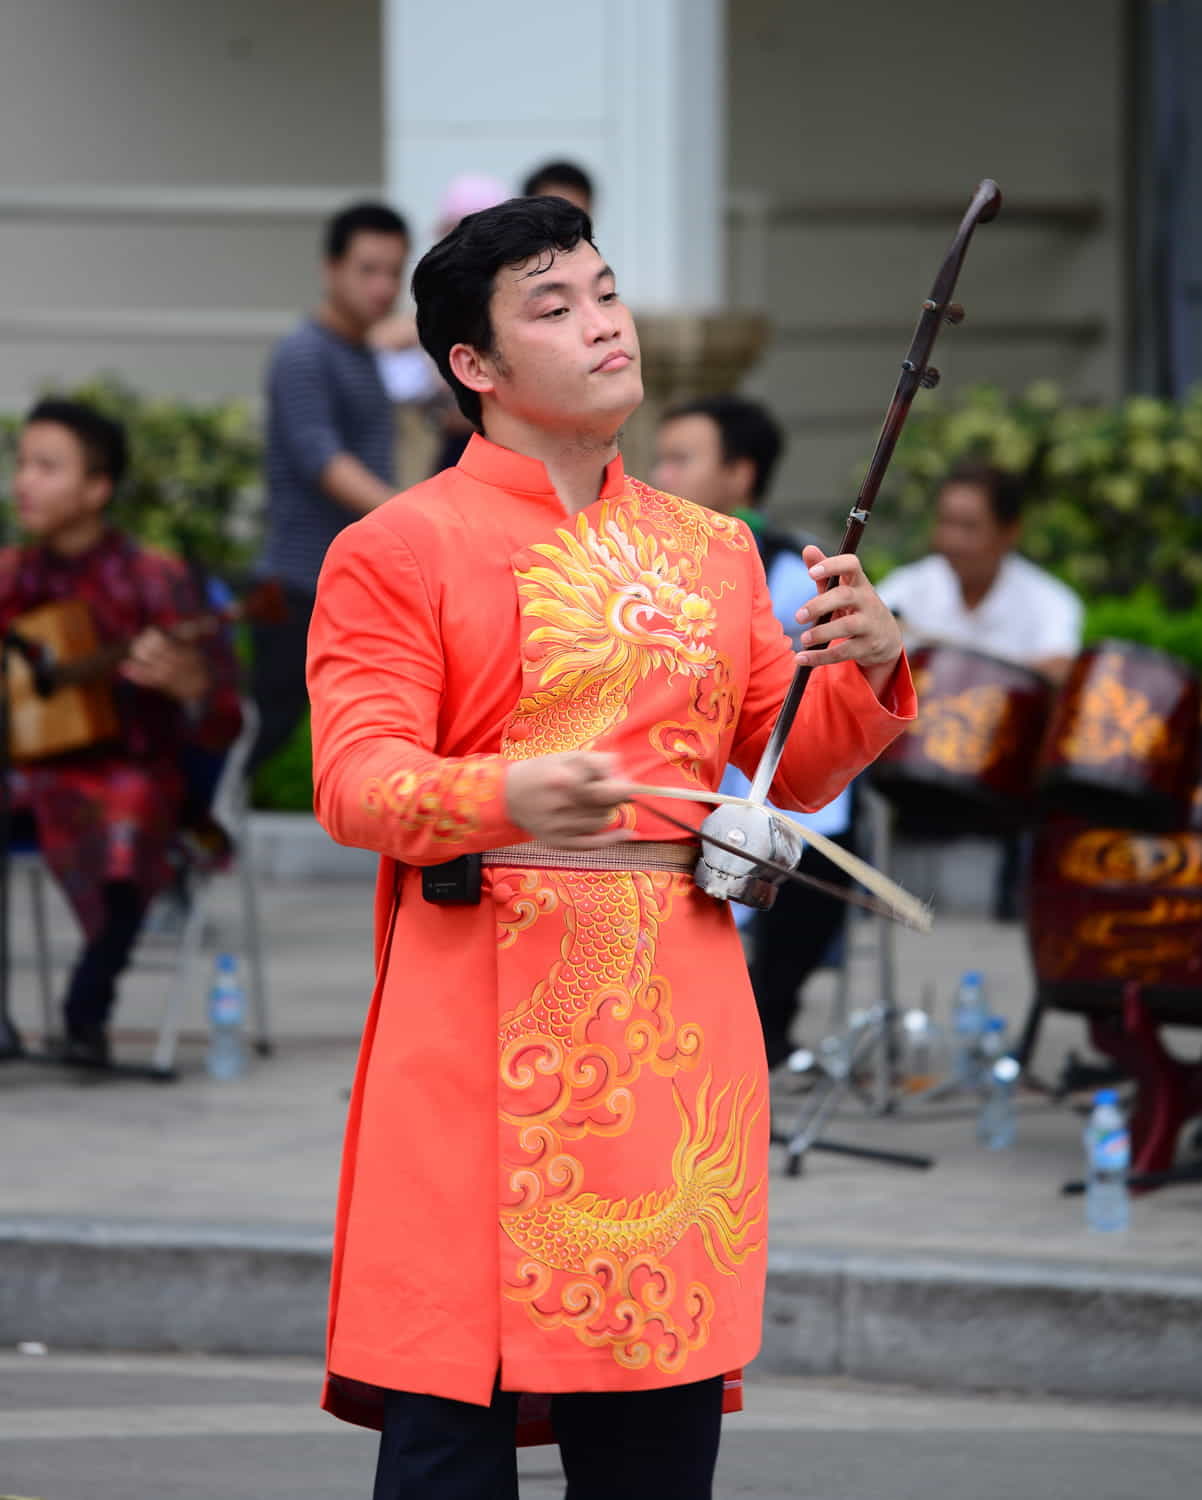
468 193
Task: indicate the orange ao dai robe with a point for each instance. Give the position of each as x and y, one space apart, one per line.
556 1157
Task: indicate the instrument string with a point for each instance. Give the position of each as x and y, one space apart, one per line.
901 904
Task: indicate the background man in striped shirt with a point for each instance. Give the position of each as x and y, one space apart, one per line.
330 444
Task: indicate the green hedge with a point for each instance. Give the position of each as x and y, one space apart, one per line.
1142 617
1114 492
194 485
285 782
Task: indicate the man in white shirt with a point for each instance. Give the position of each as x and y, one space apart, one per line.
974 590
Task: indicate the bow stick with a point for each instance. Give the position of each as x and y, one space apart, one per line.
891 899
915 372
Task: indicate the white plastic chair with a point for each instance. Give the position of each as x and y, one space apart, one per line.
230 808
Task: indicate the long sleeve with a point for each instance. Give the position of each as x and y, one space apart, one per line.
305 422
171 597
841 725
376 683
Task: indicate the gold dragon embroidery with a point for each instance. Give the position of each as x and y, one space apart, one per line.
613 603
444 800
570 1052
613 609
598 1266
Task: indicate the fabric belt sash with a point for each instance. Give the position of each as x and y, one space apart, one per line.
638 854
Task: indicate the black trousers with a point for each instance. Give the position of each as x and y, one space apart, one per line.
277 677
636 1445
788 943
93 988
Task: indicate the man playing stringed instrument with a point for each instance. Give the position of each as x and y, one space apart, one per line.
106 814
555 1173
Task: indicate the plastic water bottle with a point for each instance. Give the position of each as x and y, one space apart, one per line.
997 1124
970 1014
227 1011
1107 1157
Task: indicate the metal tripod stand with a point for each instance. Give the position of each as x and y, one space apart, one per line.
866 1042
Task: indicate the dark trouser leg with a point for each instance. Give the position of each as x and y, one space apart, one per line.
640 1445
93 988
278 675
435 1449
789 941
1010 876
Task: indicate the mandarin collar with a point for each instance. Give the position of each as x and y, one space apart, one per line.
520 474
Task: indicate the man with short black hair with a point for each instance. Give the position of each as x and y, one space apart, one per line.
561 179
106 813
721 452
555 1169
331 436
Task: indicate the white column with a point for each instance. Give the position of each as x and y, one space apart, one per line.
634 90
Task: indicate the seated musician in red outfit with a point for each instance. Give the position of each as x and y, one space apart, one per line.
106 814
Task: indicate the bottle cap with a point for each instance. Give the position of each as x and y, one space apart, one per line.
995 1023
971 976
1106 1096
226 963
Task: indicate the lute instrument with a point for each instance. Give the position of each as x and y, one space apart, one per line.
60 674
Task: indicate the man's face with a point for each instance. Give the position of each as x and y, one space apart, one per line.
565 352
52 487
689 462
366 282
968 534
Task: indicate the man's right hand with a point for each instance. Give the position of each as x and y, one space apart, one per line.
567 799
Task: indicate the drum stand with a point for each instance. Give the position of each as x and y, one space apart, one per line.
12 1048
866 1039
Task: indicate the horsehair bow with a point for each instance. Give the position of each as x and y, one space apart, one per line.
891 899
915 371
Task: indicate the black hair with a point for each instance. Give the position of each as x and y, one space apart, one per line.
1003 489
105 449
554 174
746 430
360 218
453 282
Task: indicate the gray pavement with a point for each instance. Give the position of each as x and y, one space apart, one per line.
154 1428
253 1163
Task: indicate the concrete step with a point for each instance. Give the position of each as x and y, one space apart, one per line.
1079 1330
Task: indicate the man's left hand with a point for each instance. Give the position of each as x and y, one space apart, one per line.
850 612
156 661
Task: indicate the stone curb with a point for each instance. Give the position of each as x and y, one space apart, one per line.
1030 1326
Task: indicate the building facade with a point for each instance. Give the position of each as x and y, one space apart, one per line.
165 168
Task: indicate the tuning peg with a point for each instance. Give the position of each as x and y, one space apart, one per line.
929 378
954 313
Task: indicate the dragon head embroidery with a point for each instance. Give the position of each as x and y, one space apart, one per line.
614 607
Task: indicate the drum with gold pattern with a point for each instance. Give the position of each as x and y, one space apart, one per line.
1122 748
1107 906
967 763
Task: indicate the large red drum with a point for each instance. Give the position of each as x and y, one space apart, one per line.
1107 906
1122 747
967 763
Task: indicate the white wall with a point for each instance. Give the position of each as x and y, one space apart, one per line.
859 131
631 89
165 167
